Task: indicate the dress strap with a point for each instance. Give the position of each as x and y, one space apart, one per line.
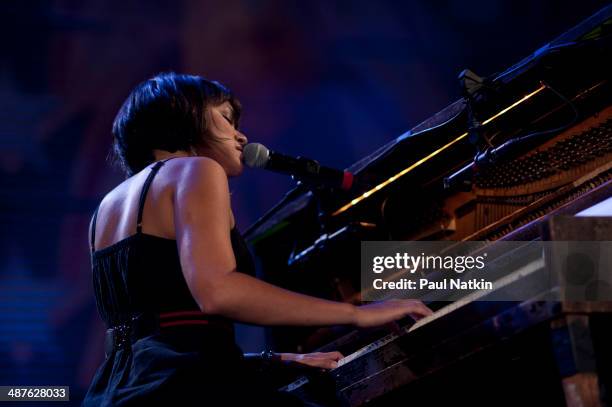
92 239
145 189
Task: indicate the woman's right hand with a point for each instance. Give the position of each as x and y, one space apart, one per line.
380 313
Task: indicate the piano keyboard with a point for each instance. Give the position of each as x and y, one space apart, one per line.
519 274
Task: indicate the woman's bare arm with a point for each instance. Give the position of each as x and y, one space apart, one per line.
202 223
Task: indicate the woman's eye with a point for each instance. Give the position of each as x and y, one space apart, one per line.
229 120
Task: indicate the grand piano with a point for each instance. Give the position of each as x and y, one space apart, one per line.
525 155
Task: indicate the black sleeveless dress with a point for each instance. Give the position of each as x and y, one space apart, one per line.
163 348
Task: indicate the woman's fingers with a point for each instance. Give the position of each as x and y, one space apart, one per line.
337 355
324 360
327 355
419 310
381 313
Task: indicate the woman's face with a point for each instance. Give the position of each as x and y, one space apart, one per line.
226 148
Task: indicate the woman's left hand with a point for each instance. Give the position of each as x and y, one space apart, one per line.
323 360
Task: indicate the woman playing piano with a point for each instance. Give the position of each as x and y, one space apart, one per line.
170 269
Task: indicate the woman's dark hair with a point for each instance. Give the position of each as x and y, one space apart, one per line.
166 112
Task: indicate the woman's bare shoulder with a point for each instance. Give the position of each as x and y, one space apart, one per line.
178 171
195 166
201 195
197 175
194 171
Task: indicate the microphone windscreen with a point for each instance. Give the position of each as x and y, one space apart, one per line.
255 155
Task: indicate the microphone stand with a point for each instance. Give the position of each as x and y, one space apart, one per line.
298 190
471 84
317 200
463 177
302 187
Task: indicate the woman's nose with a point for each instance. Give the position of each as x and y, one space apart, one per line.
242 139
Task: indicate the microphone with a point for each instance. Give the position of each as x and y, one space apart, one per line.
309 171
